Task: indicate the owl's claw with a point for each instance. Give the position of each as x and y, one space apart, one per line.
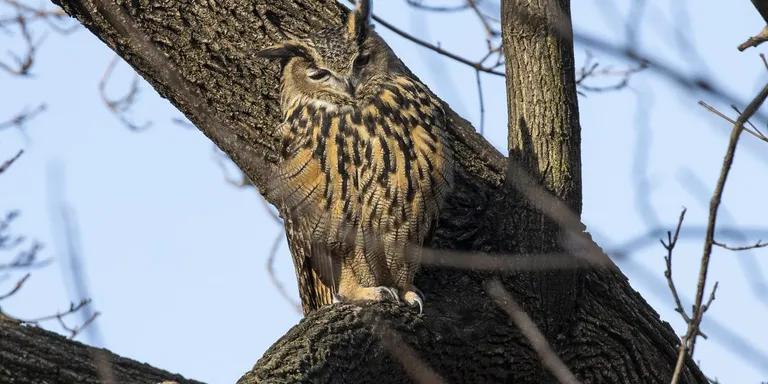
413 299
388 293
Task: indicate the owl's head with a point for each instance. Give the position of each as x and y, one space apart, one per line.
334 65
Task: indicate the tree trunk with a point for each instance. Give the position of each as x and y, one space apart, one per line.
202 59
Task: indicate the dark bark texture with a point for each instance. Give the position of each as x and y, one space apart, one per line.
29 354
609 335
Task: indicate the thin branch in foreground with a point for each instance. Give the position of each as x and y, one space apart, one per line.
528 328
409 359
7 164
688 342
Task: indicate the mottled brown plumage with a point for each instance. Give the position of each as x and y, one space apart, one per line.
365 165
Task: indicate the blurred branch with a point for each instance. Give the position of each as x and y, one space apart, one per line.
23 117
32 14
25 259
688 341
528 328
120 107
22 64
415 367
68 244
273 276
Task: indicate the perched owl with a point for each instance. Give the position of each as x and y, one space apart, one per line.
365 165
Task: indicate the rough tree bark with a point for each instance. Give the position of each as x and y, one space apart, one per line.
601 328
34 355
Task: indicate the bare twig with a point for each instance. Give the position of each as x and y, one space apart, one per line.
670 246
15 288
751 130
74 331
758 244
480 101
688 341
592 69
756 40
273 276
478 66
528 328
73 308
7 164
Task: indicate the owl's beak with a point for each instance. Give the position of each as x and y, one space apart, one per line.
351 87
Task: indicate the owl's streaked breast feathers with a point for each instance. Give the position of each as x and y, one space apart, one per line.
365 166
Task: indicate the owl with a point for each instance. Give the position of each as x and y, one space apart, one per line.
364 165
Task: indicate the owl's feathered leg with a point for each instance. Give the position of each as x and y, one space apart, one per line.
351 290
362 273
404 268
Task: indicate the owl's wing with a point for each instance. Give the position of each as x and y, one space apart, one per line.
315 219
311 263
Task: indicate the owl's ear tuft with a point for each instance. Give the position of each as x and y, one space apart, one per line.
359 21
284 51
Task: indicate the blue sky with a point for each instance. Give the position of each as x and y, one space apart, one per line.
175 257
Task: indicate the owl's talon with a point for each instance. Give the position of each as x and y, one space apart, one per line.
391 292
413 299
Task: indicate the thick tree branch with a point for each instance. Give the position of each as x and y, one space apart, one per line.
29 354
